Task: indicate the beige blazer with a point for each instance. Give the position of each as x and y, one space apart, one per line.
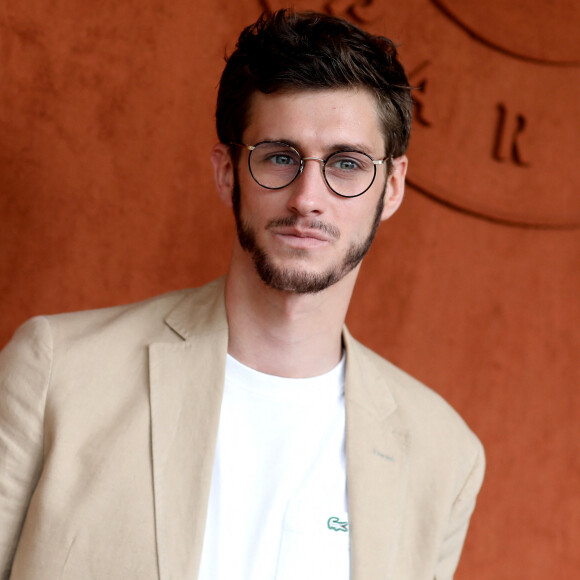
108 423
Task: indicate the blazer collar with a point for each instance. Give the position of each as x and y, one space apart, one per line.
377 454
366 383
200 312
186 386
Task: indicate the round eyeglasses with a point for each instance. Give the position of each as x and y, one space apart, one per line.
275 165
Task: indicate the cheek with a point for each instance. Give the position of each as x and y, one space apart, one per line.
260 203
256 206
359 218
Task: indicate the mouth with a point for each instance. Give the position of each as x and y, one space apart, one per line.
302 238
303 233
316 229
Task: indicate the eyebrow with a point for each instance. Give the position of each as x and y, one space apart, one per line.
331 149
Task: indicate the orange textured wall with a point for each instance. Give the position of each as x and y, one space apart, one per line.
106 196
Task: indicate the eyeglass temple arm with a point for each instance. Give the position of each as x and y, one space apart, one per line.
248 147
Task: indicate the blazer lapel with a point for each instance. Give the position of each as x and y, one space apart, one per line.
377 452
186 382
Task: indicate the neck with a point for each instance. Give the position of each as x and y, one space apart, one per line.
283 333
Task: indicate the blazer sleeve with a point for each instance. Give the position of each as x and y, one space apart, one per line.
25 367
459 517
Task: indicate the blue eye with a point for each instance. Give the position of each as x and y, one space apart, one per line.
346 164
282 159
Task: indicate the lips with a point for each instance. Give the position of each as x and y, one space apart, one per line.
306 234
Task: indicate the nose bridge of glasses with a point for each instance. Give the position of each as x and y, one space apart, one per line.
322 162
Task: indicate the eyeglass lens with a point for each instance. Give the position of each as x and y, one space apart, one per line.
276 165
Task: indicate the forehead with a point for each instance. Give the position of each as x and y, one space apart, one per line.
316 120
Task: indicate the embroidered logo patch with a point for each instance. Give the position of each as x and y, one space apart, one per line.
336 525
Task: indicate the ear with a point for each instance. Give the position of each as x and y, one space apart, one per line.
223 172
395 190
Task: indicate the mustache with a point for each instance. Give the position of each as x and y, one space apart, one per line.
292 221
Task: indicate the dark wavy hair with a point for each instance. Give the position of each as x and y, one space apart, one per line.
290 51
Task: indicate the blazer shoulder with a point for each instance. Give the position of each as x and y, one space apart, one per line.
166 317
94 320
424 411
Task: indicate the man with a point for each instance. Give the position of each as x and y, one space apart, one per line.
238 430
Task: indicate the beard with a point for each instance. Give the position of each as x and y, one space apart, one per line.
295 280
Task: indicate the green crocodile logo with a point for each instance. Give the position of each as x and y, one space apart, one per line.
336 525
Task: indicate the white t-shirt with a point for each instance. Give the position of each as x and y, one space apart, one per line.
277 508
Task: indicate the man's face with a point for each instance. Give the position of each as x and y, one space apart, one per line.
304 238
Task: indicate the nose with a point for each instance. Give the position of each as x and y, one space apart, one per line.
309 190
